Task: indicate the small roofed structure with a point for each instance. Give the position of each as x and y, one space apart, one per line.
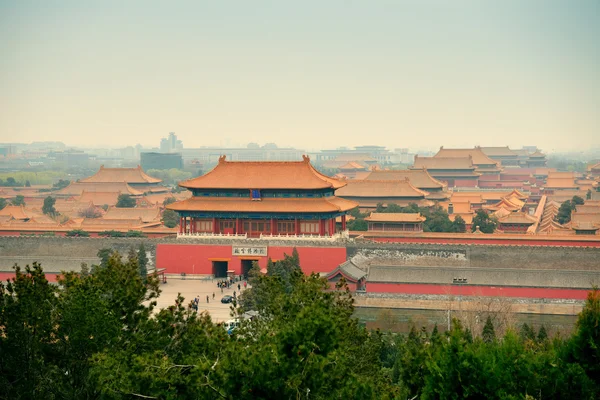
368 194
132 176
515 222
354 276
454 171
419 178
395 222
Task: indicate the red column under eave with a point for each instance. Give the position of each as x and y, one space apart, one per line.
344 222
215 226
332 226
180 225
321 227
273 226
237 226
192 225
297 226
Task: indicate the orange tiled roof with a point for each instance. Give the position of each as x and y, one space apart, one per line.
262 175
266 205
352 165
419 178
395 217
16 212
477 156
537 154
588 208
144 214
371 188
129 175
498 151
368 203
456 163
517 218
77 188
100 198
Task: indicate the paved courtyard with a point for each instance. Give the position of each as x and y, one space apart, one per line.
189 289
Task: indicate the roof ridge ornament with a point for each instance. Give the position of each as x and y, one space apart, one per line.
222 159
305 158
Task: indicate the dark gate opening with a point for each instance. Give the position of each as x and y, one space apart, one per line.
246 266
219 269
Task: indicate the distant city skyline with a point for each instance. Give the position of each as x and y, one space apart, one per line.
309 75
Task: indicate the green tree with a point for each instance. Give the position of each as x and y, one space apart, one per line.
577 200
27 184
3 203
132 233
170 218
542 334
169 200
527 332
10 181
27 305
488 334
77 233
19 200
586 340
142 262
104 255
125 201
588 194
564 212
61 184
458 225
48 207
485 223
358 225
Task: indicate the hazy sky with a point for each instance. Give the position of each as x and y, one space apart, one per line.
306 73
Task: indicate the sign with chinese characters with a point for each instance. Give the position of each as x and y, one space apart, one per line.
260 251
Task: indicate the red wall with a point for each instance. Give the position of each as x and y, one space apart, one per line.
6 275
503 242
495 291
195 258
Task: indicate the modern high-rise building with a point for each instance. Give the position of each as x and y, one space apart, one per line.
171 144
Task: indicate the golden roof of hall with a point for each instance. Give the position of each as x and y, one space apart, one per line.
502 151
99 198
476 154
263 175
265 205
16 212
517 218
77 188
372 188
352 165
395 217
129 175
435 163
419 178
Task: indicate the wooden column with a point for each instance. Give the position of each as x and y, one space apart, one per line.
237 226
215 227
192 225
180 224
332 227
344 222
321 227
297 226
273 226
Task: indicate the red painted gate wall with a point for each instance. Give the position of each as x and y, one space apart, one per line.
196 258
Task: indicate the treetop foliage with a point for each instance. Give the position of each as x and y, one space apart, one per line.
97 335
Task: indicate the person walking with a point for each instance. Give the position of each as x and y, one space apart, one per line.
244 284
239 287
207 298
213 295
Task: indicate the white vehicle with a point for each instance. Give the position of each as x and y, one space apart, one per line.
231 325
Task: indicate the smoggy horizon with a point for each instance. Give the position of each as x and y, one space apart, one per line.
307 75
